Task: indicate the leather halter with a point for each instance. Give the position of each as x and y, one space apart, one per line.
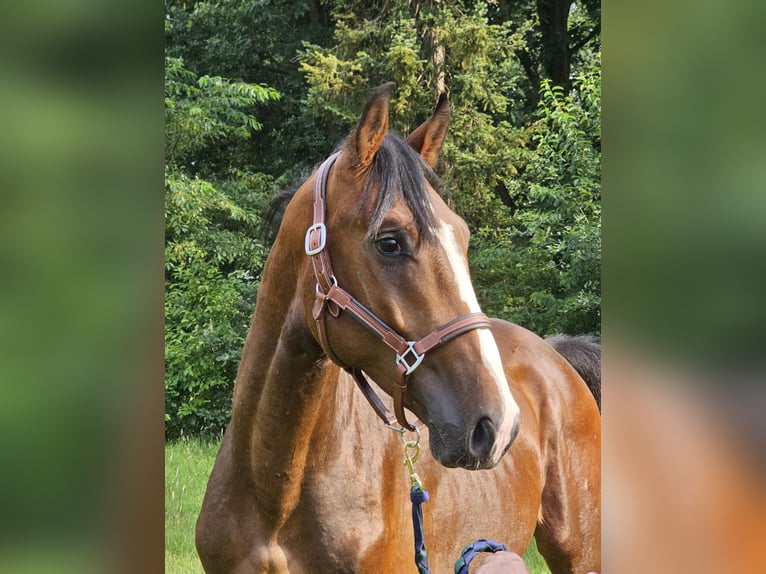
332 298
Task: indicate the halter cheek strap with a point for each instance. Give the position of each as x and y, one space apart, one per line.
331 298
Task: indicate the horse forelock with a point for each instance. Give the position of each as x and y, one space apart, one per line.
398 171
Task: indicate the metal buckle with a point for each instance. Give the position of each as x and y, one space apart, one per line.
320 227
333 280
400 359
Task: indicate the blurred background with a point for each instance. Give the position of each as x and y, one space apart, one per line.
82 274
684 176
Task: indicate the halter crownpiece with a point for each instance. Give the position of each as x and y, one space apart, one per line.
330 296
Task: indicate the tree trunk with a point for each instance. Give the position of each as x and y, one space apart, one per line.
437 51
438 59
554 16
317 14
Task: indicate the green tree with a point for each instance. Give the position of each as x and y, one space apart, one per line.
256 41
543 270
551 37
213 258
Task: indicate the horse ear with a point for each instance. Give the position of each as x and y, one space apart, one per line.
429 137
373 126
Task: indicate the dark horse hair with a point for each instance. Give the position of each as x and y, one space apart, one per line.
584 354
400 172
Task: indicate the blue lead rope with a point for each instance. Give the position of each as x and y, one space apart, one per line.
419 495
470 552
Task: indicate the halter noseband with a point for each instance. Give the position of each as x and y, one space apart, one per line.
332 298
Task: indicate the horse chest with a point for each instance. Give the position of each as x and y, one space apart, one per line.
342 519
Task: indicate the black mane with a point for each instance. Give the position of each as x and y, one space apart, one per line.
584 354
398 171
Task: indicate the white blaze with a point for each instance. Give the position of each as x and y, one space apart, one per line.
490 354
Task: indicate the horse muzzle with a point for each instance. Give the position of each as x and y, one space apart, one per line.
480 446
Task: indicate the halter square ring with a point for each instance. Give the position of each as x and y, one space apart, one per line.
320 227
417 359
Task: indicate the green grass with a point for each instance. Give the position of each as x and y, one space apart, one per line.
534 560
188 463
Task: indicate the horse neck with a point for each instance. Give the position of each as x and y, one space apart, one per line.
285 394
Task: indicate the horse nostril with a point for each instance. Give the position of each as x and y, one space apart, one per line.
482 438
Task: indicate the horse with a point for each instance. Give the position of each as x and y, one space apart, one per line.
368 277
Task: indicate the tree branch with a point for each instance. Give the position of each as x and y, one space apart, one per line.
529 68
505 197
593 33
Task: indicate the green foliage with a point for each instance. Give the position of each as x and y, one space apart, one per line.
210 110
254 40
212 257
521 163
213 262
543 269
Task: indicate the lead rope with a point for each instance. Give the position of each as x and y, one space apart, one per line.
470 552
419 495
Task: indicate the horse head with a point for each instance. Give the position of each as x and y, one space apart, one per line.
402 252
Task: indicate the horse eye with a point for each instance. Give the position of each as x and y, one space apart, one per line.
388 246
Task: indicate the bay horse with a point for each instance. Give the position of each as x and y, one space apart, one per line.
368 274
